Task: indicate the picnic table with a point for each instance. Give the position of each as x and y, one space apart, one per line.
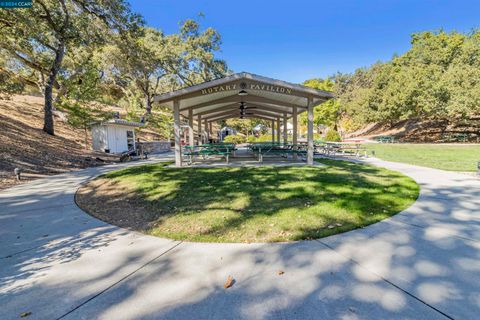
276 148
332 148
224 150
456 137
286 149
385 139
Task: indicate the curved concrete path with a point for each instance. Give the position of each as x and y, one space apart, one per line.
59 263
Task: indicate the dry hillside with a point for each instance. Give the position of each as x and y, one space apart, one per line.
424 131
24 145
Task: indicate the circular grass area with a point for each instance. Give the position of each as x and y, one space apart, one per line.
247 204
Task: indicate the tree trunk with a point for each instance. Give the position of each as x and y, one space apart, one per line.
48 108
48 113
148 105
86 138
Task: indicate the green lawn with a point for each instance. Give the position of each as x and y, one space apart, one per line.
255 204
446 157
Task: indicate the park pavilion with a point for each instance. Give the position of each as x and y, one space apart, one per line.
243 95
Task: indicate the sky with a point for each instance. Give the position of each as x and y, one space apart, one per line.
302 39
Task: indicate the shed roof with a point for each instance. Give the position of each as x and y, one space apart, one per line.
122 122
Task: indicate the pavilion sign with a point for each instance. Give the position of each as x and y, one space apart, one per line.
247 86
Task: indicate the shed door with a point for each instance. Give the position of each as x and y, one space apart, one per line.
130 140
121 139
112 140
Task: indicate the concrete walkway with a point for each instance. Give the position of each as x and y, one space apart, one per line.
59 263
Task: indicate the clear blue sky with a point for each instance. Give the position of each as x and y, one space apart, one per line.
299 39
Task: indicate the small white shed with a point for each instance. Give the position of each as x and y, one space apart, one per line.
114 136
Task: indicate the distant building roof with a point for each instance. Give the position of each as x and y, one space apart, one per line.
259 127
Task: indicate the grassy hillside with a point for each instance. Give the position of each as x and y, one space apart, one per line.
459 157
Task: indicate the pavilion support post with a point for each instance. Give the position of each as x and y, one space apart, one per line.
205 128
177 133
295 133
210 131
273 131
310 132
285 130
278 129
199 123
191 141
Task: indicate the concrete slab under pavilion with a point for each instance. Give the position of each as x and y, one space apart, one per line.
242 95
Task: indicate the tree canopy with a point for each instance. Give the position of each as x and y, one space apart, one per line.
36 41
77 43
438 78
81 51
246 126
326 114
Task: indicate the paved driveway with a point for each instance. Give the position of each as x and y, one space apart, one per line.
59 263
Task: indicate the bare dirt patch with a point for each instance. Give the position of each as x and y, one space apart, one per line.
113 203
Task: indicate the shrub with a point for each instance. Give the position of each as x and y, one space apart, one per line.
318 137
261 138
332 135
236 139
265 138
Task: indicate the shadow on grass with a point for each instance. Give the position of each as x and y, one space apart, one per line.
214 204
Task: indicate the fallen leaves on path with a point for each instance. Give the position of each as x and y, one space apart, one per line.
230 281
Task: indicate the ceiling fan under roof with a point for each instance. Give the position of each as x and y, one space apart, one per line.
244 107
243 110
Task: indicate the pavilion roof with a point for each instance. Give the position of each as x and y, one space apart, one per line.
265 98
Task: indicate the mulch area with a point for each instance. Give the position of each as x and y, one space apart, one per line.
109 202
